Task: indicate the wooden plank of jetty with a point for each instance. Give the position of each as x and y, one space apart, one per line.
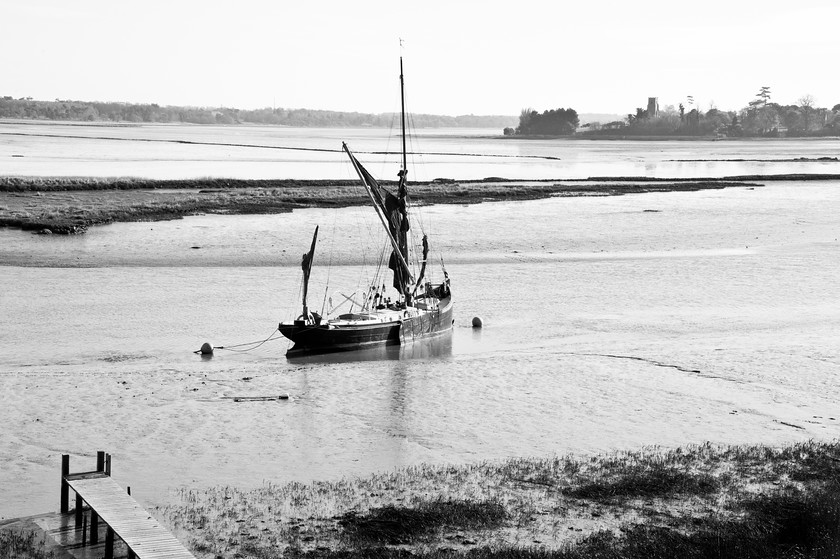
137 528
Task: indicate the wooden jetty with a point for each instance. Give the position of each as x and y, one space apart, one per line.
124 518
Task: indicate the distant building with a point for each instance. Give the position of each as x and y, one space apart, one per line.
653 107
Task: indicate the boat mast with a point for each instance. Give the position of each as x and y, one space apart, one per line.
403 192
402 120
402 258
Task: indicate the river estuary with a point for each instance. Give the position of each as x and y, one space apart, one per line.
609 323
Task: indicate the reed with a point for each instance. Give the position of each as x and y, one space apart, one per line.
697 501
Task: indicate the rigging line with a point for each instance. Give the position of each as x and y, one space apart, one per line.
329 264
365 229
365 235
287 148
388 144
416 166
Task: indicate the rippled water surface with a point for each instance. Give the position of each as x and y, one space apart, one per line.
610 323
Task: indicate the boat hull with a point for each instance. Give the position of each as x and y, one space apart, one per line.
311 339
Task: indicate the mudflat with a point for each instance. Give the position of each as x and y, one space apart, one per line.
71 205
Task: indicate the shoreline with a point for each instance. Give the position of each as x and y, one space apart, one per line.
72 205
578 135
588 136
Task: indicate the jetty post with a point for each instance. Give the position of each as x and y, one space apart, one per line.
94 517
65 487
109 543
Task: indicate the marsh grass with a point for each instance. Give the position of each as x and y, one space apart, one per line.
662 482
63 184
22 544
771 527
699 501
397 525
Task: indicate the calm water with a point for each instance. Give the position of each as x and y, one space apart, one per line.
49 149
610 323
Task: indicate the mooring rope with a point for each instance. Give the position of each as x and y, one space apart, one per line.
256 344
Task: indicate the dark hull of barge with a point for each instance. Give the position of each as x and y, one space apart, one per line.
314 339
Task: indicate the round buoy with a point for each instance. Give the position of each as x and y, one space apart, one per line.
477 322
206 349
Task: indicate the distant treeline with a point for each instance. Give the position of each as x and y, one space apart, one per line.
760 118
554 122
128 112
772 120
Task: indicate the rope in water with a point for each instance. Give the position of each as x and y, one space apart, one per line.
255 344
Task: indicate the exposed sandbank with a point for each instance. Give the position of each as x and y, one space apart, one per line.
71 205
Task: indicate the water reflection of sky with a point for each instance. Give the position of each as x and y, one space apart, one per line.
251 152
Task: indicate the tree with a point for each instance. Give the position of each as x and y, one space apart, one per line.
764 95
761 121
525 116
556 122
734 128
806 101
716 122
693 119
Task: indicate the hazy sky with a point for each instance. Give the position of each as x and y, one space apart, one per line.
461 57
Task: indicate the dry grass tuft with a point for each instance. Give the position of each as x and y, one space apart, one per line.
22 544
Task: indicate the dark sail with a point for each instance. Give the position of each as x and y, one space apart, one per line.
399 225
394 209
306 265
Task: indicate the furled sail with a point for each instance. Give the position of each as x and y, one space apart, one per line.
395 209
392 209
306 265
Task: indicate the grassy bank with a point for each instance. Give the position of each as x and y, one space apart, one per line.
71 205
701 501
